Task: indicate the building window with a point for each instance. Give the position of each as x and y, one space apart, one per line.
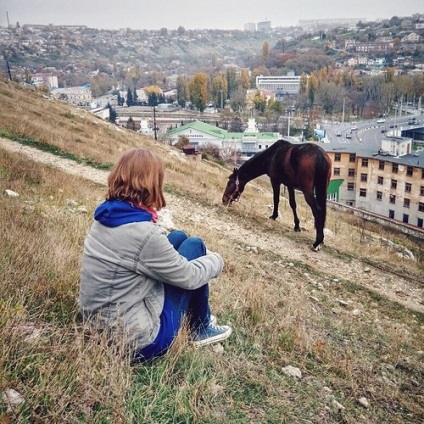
422 174
393 184
379 195
363 192
392 199
351 186
409 171
405 218
420 222
351 172
381 165
337 157
379 180
406 203
336 171
365 162
395 168
391 214
408 187
350 203
422 191
364 177
421 207
352 157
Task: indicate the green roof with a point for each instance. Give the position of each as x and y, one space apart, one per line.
202 127
223 134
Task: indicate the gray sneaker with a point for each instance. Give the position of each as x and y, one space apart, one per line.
211 334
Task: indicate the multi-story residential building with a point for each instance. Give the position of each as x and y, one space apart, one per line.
389 182
251 26
47 79
264 26
411 38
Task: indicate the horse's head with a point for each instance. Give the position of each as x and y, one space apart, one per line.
235 187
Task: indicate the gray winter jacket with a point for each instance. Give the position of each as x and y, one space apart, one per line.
121 278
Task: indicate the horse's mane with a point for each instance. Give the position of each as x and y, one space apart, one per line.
260 156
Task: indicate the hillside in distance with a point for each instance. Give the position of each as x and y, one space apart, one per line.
350 317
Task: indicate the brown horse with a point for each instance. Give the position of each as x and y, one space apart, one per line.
305 167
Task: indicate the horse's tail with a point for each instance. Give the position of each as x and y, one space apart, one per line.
322 178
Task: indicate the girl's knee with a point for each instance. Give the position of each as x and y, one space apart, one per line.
192 248
177 237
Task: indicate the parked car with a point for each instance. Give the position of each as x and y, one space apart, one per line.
339 134
381 121
348 135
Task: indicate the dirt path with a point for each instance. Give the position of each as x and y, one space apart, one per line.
399 289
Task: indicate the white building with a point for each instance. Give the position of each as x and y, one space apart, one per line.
288 84
79 96
247 143
45 78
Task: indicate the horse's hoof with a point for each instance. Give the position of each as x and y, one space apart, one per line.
273 218
316 248
298 230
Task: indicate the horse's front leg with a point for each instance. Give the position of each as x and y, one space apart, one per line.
292 202
276 190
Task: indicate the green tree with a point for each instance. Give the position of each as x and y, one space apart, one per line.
232 84
130 100
219 89
112 113
183 93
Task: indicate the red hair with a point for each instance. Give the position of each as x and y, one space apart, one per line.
138 178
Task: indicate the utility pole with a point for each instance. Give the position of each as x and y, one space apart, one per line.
343 112
155 128
8 69
288 125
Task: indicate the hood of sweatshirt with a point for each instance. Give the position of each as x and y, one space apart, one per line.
113 213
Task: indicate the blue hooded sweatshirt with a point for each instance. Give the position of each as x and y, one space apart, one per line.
113 213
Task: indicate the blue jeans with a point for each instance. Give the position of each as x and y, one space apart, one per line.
179 302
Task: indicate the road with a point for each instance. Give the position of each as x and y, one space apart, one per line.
368 131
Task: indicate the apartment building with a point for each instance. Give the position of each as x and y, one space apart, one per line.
389 182
47 79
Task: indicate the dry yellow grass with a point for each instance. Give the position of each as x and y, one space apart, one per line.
322 313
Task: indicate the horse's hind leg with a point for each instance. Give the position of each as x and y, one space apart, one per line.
319 224
292 202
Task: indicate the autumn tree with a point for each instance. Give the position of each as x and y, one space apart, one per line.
259 100
265 51
219 89
199 91
329 96
153 93
244 79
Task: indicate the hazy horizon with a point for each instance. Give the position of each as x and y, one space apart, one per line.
220 14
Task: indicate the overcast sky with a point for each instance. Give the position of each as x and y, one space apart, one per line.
194 14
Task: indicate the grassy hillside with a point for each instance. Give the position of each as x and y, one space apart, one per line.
350 318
